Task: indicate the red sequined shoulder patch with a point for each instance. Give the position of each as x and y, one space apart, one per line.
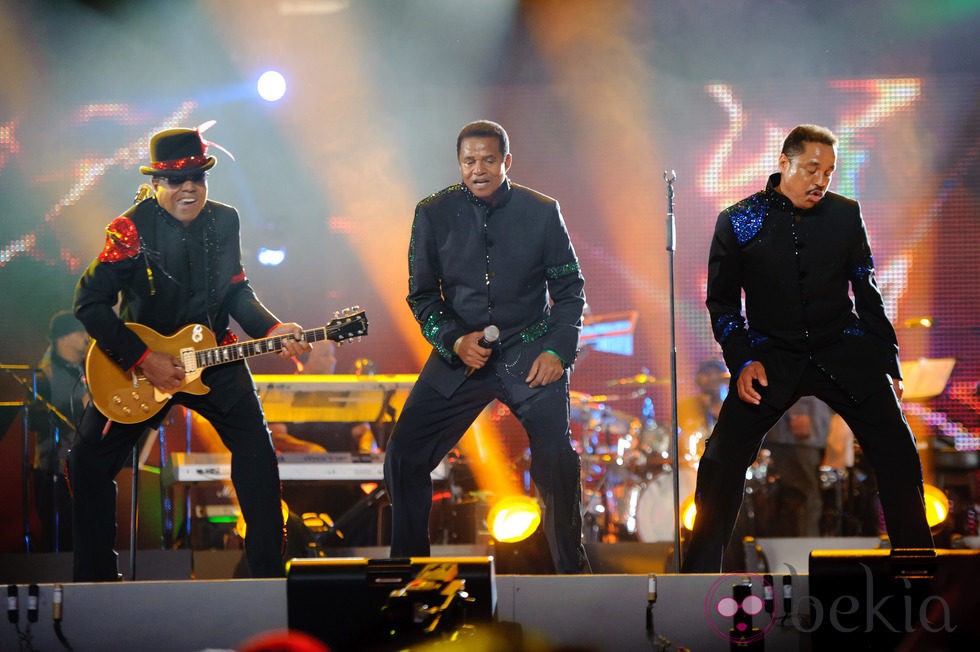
121 241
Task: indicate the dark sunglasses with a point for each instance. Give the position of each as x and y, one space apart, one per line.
196 177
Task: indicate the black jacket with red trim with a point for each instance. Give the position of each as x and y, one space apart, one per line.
166 275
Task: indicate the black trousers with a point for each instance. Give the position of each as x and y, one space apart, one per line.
429 427
98 456
879 427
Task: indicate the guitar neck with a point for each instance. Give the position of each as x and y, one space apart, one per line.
241 350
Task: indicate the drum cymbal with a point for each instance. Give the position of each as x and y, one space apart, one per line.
598 416
639 380
605 419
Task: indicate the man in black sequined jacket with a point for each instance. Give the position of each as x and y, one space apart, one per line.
171 260
488 252
794 249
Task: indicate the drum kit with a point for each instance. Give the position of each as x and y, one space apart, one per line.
627 475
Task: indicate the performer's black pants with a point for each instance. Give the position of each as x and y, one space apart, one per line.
879 427
97 458
429 427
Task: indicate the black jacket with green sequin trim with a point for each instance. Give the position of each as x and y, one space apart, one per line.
472 264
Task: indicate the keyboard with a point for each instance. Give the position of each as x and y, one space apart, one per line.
207 467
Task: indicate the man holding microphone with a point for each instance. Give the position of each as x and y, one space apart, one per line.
488 257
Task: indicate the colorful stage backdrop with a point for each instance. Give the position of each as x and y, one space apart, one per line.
599 99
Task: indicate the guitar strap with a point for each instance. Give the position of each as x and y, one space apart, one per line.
211 254
140 214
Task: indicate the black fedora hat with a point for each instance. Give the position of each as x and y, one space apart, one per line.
178 152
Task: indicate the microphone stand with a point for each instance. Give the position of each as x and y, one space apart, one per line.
669 178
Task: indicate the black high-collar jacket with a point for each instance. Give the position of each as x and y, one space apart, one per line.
795 267
473 264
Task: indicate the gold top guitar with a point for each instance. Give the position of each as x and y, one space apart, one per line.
127 397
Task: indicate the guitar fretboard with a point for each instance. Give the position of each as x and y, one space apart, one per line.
239 351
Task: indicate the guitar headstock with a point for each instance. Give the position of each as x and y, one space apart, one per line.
347 324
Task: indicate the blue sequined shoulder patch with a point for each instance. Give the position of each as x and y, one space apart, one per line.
746 216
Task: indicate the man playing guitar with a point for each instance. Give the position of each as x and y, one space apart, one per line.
174 260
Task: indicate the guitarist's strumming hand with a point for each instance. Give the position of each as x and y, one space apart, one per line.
291 347
162 370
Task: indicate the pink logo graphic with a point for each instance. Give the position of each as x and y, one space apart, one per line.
735 607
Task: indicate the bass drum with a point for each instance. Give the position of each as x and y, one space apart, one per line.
655 505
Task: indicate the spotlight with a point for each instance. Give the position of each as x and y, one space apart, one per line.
513 518
241 527
937 506
688 511
271 86
271 257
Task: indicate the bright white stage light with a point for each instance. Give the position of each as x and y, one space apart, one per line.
271 257
271 86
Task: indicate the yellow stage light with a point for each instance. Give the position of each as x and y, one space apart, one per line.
241 526
513 518
937 508
688 511
937 505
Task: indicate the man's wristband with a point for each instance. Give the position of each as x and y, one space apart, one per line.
563 363
456 344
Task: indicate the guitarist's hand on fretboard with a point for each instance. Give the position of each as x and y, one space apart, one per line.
291 347
162 370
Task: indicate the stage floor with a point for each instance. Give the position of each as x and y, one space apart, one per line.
778 555
595 612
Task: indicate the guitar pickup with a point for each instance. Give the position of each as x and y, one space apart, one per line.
188 360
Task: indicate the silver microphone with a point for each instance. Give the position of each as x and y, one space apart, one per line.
490 335
670 178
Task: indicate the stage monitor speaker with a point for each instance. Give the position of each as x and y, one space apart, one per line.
530 556
913 599
358 604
